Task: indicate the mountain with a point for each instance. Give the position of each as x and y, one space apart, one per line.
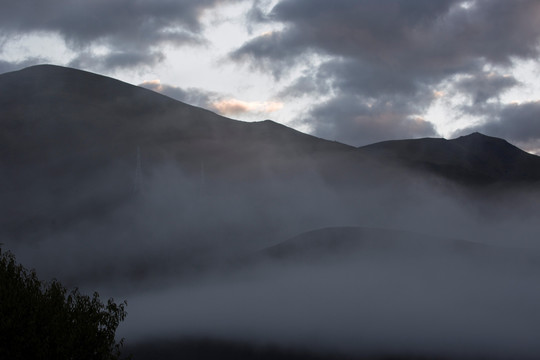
50 112
473 159
69 140
57 120
196 217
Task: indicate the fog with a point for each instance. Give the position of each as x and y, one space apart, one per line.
376 304
190 255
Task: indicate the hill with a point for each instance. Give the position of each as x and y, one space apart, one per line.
109 186
473 159
69 140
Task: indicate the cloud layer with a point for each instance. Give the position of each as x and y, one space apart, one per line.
132 32
384 60
357 71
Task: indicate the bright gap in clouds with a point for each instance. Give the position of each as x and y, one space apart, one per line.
447 112
527 73
45 46
243 93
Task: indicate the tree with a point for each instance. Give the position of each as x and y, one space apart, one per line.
41 320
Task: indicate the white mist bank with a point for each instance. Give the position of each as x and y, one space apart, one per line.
375 302
160 253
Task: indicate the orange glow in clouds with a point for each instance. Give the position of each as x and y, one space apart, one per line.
235 107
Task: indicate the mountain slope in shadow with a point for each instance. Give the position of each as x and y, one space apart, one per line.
68 162
474 159
50 112
69 140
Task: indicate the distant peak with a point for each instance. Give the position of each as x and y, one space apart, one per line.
46 67
53 70
268 122
474 134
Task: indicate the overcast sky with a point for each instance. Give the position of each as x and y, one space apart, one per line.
356 71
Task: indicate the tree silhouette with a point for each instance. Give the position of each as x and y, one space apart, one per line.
41 320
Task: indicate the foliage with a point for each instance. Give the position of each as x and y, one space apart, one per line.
41 320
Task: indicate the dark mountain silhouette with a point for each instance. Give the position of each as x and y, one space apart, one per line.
60 120
472 159
213 192
51 113
69 139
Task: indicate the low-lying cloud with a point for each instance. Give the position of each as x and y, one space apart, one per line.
185 254
394 303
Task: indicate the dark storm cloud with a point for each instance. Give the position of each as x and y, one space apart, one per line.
402 49
347 118
485 86
432 38
116 60
357 116
130 29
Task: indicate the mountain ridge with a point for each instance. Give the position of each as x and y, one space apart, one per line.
256 211
471 159
69 140
52 108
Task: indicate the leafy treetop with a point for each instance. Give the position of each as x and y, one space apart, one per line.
41 320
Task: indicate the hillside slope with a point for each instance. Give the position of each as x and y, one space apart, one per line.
69 140
472 159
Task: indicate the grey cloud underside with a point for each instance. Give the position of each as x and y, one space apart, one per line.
433 39
392 52
115 60
349 119
483 87
132 30
192 96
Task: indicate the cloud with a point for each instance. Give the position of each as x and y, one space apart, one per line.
350 119
6 66
219 103
116 60
432 38
235 107
192 96
392 52
485 86
131 31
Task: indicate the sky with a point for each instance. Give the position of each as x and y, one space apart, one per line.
355 71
